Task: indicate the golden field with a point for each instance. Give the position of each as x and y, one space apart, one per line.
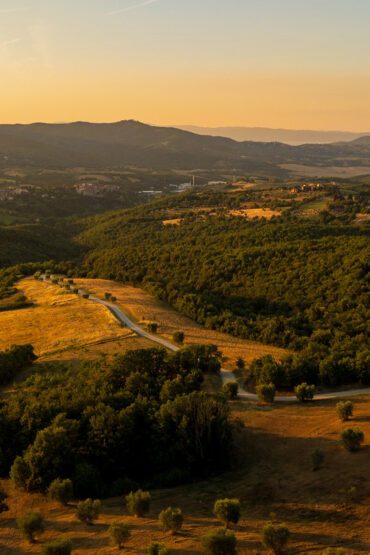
143 307
259 213
273 475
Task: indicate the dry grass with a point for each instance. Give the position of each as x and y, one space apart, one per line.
273 475
57 322
143 307
362 218
250 213
176 221
327 171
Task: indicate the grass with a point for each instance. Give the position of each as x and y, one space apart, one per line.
58 322
259 213
272 474
143 307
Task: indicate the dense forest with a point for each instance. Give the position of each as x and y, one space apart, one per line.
293 283
139 419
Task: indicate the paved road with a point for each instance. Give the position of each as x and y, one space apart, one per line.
226 375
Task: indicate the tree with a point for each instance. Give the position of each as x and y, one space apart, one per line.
352 439
219 542
153 327
179 337
240 363
266 392
31 525
20 473
317 457
344 410
3 505
275 537
171 519
61 490
88 510
138 503
227 510
107 296
156 548
230 390
58 547
305 392
119 533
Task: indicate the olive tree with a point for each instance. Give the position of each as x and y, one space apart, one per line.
352 438
30 525
88 510
344 410
171 519
138 503
266 392
61 490
119 533
219 542
227 510
305 392
275 537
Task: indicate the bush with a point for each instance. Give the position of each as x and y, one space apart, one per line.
107 296
58 547
156 548
20 473
240 363
31 525
344 410
171 519
275 537
61 490
317 457
352 439
219 542
304 392
266 392
138 503
3 496
119 533
88 510
153 327
227 510
179 337
230 390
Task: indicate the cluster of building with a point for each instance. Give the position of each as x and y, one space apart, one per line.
11 191
95 189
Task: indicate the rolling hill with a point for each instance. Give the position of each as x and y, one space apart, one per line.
131 143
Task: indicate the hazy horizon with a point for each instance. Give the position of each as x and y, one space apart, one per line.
292 64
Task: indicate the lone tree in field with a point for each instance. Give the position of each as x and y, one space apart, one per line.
171 519
138 503
152 327
61 490
266 392
156 548
219 542
119 534
107 296
275 537
305 392
352 438
88 510
31 525
179 337
344 410
58 547
240 363
3 505
227 510
230 390
317 458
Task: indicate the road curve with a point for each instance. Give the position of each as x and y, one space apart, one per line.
227 376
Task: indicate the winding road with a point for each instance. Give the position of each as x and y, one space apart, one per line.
227 376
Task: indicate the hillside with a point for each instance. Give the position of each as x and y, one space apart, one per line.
130 143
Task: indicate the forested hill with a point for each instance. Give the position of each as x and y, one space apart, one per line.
297 284
126 143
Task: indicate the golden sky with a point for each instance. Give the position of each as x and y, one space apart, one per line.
288 63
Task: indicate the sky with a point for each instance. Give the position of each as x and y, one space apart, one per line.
296 64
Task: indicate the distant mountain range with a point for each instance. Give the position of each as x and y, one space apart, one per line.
131 143
265 134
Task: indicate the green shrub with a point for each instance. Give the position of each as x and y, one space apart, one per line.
31 525
352 439
88 510
266 392
61 490
179 337
58 547
119 533
305 392
317 457
275 537
227 510
219 542
138 503
344 410
230 390
156 548
171 519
